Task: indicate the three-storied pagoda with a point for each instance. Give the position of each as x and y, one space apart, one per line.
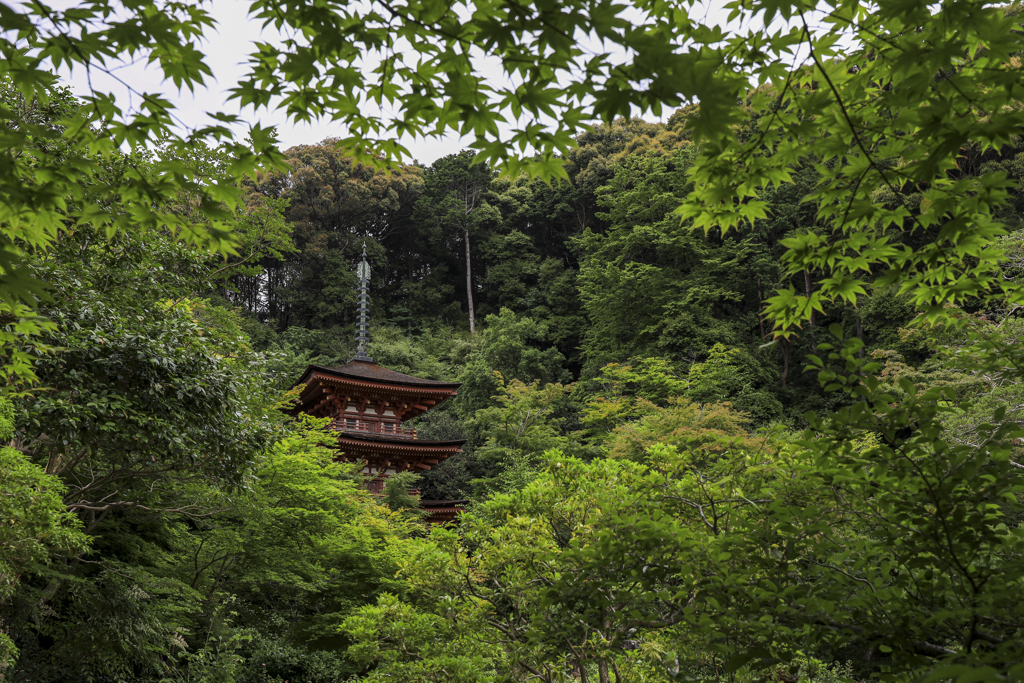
368 403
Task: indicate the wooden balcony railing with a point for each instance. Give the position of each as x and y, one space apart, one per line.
349 424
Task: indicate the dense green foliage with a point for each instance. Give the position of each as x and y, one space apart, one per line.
741 390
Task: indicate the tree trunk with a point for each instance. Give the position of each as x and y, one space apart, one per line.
860 335
760 300
807 292
784 347
469 286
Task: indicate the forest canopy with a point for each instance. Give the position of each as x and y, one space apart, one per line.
740 386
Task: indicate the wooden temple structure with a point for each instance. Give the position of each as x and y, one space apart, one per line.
368 403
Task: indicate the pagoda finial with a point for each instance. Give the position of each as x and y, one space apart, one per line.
363 320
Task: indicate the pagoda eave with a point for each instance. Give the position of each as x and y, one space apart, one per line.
443 511
322 389
359 371
317 381
422 455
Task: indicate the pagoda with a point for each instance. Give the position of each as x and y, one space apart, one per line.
367 404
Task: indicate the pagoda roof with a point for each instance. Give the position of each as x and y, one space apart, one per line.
443 511
418 454
398 440
443 503
378 374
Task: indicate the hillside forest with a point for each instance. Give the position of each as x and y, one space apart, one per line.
717 443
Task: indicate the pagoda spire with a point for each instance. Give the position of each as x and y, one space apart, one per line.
363 320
